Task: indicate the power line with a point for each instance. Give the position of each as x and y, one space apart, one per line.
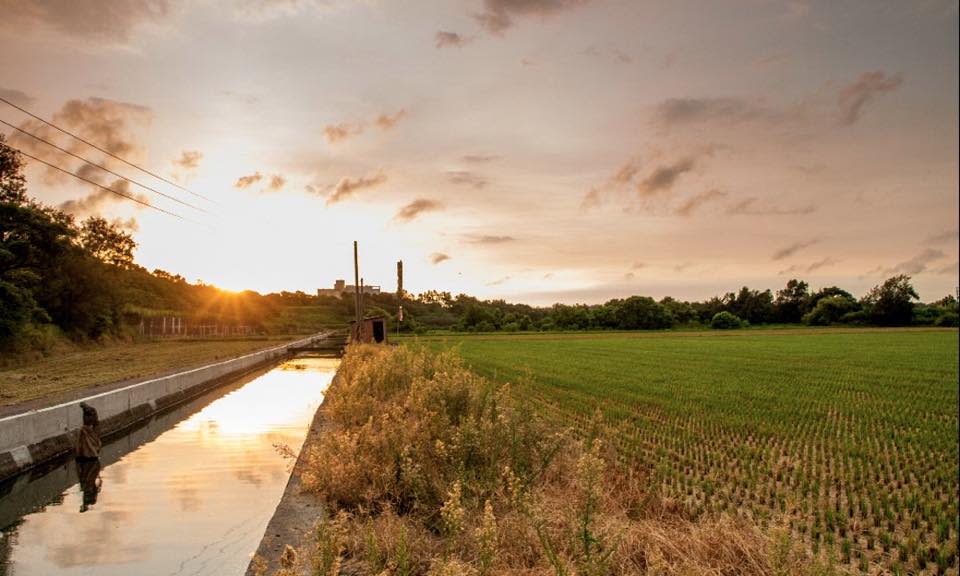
98 185
108 153
102 167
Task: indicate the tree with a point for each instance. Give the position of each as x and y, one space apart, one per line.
891 303
791 302
642 312
107 242
831 310
726 321
13 184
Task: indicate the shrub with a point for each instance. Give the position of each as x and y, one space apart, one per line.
726 321
830 310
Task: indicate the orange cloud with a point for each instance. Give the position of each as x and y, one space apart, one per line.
416 208
347 187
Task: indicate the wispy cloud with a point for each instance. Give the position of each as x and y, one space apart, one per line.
664 177
945 237
693 203
792 249
467 178
855 96
498 15
277 182
416 208
93 203
487 239
826 262
499 281
438 257
245 182
18 97
917 264
446 39
676 111
750 206
347 187
479 158
101 22
189 159
336 133
390 121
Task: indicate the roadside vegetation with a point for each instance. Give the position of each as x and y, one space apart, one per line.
426 467
847 441
83 367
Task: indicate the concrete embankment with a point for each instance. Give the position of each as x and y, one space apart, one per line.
295 519
36 436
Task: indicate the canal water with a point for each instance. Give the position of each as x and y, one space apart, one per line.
189 492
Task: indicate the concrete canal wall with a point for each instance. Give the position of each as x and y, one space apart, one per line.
29 438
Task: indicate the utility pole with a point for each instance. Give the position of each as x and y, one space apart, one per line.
399 295
356 289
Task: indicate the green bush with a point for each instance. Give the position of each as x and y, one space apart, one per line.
726 321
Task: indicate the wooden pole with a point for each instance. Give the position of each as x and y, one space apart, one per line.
399 295
356 289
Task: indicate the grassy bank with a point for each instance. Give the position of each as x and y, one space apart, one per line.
106 364
850 437
427 468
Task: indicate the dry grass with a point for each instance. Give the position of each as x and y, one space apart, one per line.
428 470
106 364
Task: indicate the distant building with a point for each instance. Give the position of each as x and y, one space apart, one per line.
340 286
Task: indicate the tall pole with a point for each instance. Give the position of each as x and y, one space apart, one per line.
356 289
399 295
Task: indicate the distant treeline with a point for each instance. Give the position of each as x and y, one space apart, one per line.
892 303
63 278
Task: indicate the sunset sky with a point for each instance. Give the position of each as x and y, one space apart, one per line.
533 150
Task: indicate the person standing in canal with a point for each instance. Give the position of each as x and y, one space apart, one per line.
88 441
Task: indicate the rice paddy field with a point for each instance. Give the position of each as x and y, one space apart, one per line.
848 438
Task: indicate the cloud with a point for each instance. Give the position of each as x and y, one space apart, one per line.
93 203
792 249
416 208
499 281
919 263
696 201
590 200
189 159
664 177
479 158
335 133
107 123
390 121
438 257
445 39
638 266
949 269
276 183
130 224
947 236
748 207
854 97
100 21
487 239
498 15
626 173
18 97
467 178
828 261
675 111
245 182
347 187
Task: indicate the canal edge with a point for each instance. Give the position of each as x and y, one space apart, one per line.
32 438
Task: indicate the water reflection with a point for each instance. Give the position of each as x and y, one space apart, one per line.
194 500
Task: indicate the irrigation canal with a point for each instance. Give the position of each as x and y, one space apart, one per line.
188 492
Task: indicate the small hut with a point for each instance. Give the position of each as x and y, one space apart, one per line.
373 331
